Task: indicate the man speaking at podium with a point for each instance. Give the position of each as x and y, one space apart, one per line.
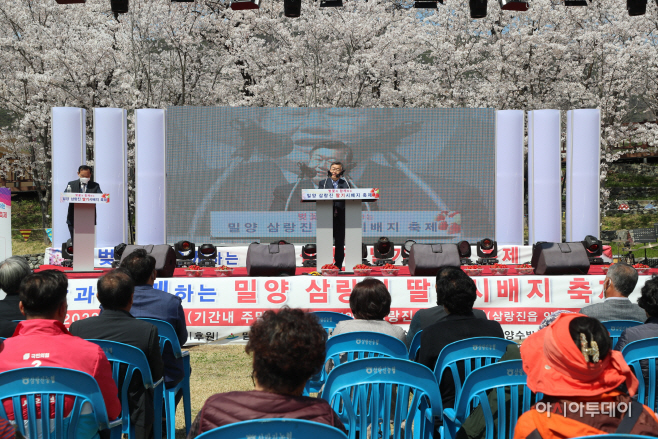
82 185
335 181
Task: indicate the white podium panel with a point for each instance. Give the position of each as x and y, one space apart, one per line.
84 229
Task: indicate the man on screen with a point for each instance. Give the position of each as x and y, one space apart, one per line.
82 185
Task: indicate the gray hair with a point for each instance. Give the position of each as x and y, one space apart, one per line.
623 277
12 272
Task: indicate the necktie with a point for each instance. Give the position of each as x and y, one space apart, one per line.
84 188
335 183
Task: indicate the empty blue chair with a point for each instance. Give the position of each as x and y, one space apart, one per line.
274 428
506 377
54 382
356 345
134 360
392 397
471 353
616 327
168 335
329 319
644 353
414 347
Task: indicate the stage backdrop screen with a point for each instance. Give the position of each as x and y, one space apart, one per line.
235 175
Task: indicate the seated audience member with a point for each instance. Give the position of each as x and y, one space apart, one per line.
425 317
7 431
370 303
459 324
115 293
288 347
572 364
43 302
152 303
619 283
12 272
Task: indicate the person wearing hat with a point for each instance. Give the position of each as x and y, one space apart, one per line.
572 363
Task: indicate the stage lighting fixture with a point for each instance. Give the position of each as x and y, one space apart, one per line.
292 8
514 5
636 7
184 253
406 250
364 254
487 251
207 255
575 2
67 253
464 249
478 8
119 6
281 242
594 249
331 3
118 252
239 5
309 255
384 251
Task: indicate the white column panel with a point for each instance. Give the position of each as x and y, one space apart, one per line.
583 170
544 199
111 172
509 177
68 153
150 176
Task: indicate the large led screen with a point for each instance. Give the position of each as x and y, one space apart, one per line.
235 175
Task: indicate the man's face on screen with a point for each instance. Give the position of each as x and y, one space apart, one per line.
321 159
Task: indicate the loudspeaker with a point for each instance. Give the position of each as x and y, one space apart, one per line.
165 257
271 259
426 259
559 258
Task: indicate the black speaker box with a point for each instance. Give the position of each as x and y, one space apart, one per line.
559 258
426 259
271 259
165 257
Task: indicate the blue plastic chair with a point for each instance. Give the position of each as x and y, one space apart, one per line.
357 345
636 354
45 382
616 327
134 359
329 319
381 394
414 347
168 335
505 376
274 428
472 354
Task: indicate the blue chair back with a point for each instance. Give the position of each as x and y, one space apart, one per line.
509 381
616 327
27 384
471 354
329 319
354 346
414 347
133 359
381 394
643 354
274 428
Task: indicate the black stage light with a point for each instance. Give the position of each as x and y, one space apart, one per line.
207 255
239 5
487 251
464 249
406 250
384 251
292 8
331 3
364 254
67 253
118 252
575 2
184 253
636 7
478 8
594 249
514 5
310 255
119 6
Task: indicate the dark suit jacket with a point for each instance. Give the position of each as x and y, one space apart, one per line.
122 327
328 184
426 317
449 330
8 312
615 309
92 188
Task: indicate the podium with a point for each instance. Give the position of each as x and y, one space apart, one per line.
324 206
84 227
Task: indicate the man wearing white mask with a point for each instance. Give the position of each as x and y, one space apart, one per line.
82 185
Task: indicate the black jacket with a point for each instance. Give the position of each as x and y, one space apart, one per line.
92 188
8 312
